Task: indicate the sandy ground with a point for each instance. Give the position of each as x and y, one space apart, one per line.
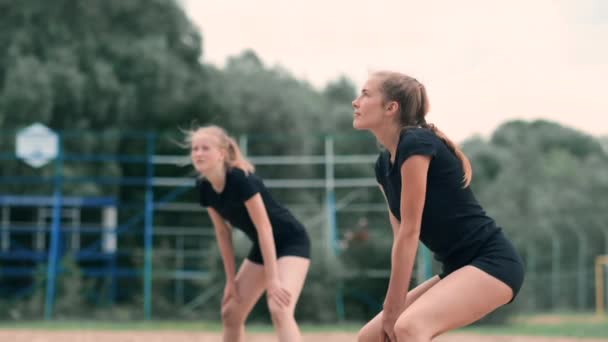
180 336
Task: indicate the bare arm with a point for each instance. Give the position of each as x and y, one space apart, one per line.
223 233
413 193
257 211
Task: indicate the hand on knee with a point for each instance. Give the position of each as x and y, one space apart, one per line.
280 314
410 329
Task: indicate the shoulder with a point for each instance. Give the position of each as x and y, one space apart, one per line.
417 135
418 139
236 174
242 184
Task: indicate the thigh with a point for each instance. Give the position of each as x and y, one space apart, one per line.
250 283
292 273
459 299
372 331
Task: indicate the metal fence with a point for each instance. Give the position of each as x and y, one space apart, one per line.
130 220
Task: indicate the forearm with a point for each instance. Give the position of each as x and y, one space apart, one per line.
227 251
403 255
267 246
257 212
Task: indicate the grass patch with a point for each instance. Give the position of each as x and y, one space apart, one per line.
563 324
566 330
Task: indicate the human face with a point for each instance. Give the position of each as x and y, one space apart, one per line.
205 153
369 106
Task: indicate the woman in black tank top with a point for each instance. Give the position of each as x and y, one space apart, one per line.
425 179
279 259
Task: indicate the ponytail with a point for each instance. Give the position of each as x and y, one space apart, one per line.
235 158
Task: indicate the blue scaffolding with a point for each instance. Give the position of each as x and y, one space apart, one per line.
26 245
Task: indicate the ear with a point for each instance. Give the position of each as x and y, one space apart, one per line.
392 107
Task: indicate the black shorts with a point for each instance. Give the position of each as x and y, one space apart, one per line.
497 257
297 244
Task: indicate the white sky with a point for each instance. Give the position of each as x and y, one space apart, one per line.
483 61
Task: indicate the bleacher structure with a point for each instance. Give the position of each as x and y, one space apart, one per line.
161 233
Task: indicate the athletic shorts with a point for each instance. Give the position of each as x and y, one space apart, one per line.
297 244
497 257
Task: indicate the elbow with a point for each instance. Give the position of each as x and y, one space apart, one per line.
409 233
222 231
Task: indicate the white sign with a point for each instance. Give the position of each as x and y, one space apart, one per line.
37 145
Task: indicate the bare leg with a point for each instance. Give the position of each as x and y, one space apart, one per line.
460 299
292 273
372 331
250 285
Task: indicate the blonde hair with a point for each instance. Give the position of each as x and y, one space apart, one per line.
413 106
234 156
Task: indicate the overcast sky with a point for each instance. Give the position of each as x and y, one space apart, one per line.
483 61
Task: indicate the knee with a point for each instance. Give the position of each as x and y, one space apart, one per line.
280 315
232 316
409 328
368 333
363 336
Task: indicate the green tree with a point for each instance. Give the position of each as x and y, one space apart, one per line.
99 65
544 183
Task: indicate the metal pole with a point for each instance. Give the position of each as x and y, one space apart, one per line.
332 232
109 245
581 276
530 269
6 235
179 265
582 273
53 253
556 270
243 144
330 198
149 228
599 284
556 255
76 225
